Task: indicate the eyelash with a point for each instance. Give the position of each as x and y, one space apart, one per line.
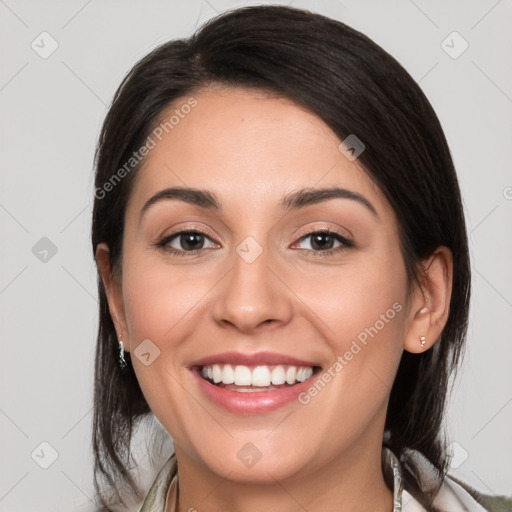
346 243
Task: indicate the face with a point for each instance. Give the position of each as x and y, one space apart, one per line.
265 320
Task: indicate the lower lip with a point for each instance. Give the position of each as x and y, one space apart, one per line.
251 403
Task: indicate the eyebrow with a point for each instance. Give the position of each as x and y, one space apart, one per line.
293 201
310 196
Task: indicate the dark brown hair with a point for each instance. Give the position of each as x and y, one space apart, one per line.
355 87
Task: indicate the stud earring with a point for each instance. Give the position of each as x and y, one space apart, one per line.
123 365
423 341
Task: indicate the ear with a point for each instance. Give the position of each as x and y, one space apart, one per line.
430 302
113 290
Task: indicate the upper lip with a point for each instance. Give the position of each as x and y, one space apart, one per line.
255 359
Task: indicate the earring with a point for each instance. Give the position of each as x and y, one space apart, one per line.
422 341
123 365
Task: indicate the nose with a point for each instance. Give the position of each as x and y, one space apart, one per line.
252 296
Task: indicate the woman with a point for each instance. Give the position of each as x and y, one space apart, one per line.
284 274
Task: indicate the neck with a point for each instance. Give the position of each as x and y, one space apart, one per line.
351 482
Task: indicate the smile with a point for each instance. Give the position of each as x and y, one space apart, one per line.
247 379
256 383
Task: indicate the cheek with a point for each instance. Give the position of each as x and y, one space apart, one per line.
162 308
159 300
361 313
362 300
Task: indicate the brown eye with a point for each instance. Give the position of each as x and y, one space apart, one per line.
191 241
185 242
320 241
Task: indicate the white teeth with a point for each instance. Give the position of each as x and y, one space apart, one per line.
242 376
252 390
217 373
290 375
278 376
228 374
304 373
259 376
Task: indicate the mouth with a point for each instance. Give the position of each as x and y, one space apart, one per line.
256 378
256 383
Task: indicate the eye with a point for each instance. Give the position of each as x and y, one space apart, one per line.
182 242
324 241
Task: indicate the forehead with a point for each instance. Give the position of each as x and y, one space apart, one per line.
250 147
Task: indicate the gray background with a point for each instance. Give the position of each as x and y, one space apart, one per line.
51 112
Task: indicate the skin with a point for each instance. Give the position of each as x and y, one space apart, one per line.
251 150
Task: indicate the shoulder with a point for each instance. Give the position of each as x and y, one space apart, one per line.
453 495
155 500
460 494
